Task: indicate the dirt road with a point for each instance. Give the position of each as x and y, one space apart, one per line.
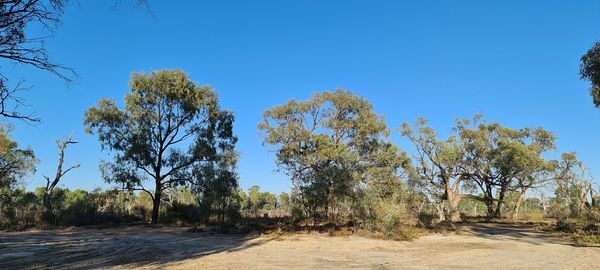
472 247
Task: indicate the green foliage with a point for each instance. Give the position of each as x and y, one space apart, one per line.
438 165
15 162
499 159
257 202
99 207
285 201
590 70
479 156
389 215
584 228
330 145
170 131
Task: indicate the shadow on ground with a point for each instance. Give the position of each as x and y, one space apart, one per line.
529 233
128 247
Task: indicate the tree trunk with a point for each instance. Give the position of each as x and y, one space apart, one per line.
544 204
515 213
488 198
156 206
453 200
440 210
222 223
497 213
47 202
592 197
581 193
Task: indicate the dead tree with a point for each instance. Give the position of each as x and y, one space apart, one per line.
51 184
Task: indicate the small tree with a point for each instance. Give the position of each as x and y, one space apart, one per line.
575 185
51 184
168 130
217 186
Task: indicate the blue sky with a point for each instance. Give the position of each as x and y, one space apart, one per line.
516 62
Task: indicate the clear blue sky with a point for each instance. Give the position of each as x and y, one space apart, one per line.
514 61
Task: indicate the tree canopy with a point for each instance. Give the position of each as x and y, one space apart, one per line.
590 70
15 162
170 130
330 145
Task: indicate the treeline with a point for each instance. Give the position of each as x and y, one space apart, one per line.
345 169
25 209
174 160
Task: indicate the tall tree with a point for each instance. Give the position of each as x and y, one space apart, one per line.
60 172
590 70
330 145
438 165
168 129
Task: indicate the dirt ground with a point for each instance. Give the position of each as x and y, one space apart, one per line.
477 246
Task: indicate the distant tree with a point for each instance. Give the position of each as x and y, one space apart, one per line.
217 184
590 70
170 130
330 145
535 172
575 186
255 200
285 201
60 172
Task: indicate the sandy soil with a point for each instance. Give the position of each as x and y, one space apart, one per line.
482 246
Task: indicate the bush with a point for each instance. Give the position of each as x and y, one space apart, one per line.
180 213
20 209
585 229
388 216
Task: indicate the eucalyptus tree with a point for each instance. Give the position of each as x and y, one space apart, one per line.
498 158
168 132
332 145
438 166
216 183
590 70
15 162
535 172
576 184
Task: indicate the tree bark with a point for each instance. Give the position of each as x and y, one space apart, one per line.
498 213
489 201
515 213
156 205
453 201
47 202
440 210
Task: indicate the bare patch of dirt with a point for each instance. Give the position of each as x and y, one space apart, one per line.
474 246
